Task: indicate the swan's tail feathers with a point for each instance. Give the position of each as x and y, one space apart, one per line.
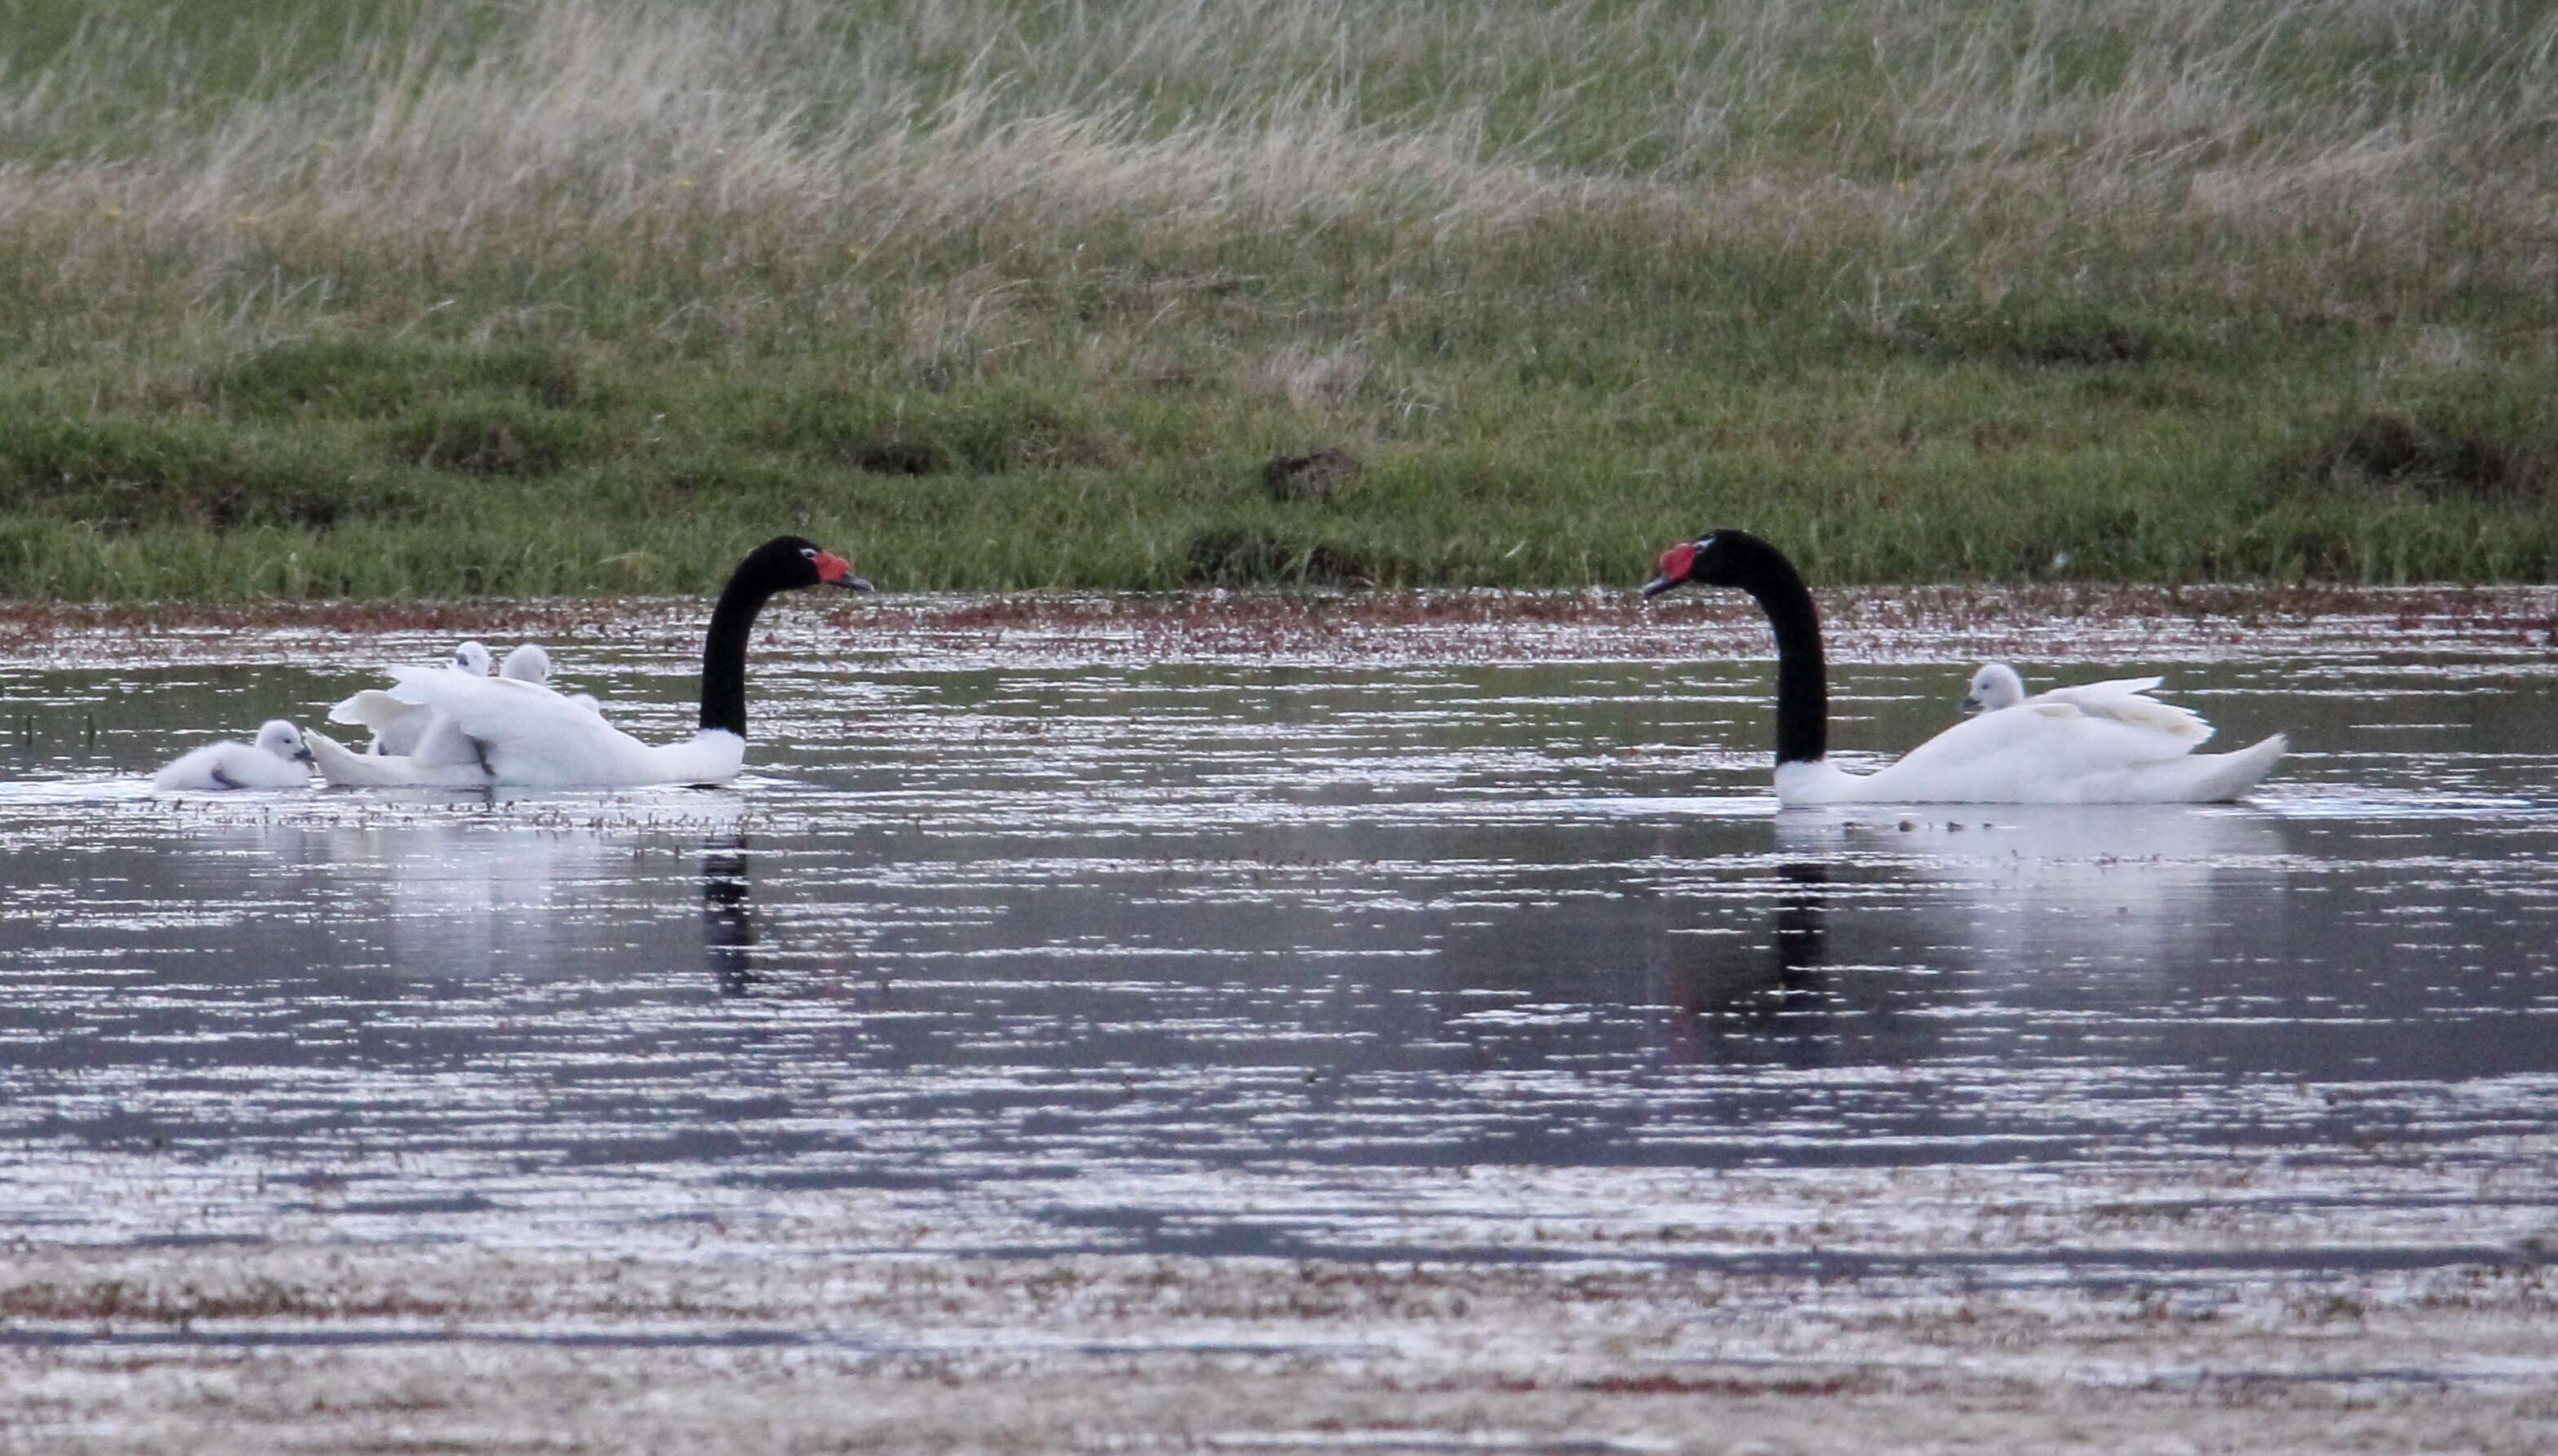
342 765
2233 774
397 724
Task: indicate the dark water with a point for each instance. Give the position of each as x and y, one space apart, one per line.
1247 959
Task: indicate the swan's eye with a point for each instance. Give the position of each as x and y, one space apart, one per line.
1676 560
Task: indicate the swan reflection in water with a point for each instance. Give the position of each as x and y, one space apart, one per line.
467 901
1872 915
2013 890
1780 981
463 900
728 917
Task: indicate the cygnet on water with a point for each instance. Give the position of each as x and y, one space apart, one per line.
531 664
279 759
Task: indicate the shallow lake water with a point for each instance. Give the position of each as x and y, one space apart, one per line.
1386 957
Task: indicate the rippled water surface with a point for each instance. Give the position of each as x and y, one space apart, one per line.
1227 956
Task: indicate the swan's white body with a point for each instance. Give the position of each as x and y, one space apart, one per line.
517 732
415 746
409 730
277 760
2039 751
2099 743
416 743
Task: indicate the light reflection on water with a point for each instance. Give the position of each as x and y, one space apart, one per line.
1226 957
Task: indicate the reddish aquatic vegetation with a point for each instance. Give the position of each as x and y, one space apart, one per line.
1232 611
159 1302
1729 1385
27 625
1941 623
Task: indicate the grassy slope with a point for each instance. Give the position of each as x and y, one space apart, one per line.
565 298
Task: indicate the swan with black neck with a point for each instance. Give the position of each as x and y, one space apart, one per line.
2038 752
524 734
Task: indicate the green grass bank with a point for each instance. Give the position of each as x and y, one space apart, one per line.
569 297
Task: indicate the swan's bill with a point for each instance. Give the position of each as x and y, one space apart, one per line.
1675 564
834 570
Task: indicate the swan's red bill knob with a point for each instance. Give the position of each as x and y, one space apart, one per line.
834 570
1674 567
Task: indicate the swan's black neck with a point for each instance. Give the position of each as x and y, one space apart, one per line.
724 647
1803 677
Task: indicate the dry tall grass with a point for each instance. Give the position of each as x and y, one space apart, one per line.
787 163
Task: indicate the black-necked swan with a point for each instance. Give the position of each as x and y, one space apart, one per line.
524 734
277 760
472 658
2123 699
2036 753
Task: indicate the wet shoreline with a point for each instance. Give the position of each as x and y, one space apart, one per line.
332 1347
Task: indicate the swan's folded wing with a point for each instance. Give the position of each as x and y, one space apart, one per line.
2125 700
2175 721
367 710
2086 692
397 724
2039 751
371 708
527 734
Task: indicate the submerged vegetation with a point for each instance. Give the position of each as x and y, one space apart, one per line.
567 297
